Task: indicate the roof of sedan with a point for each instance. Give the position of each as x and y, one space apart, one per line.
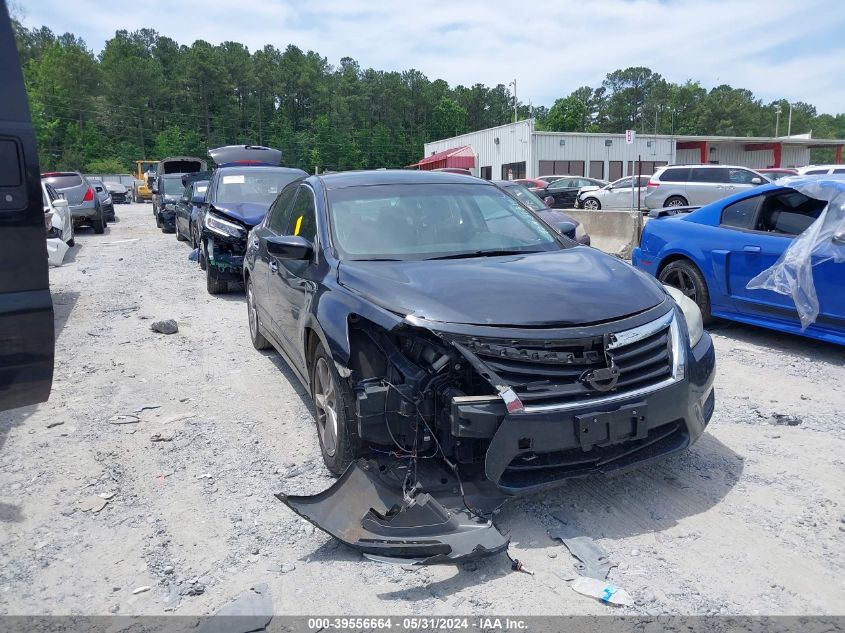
344 179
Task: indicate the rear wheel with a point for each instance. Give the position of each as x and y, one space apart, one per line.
592 204
99 222
334 405
676 201
685 276
258 340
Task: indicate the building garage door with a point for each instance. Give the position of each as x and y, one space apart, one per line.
615 170
561 167
646 167
597 169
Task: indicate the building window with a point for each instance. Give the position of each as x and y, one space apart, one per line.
512 171
561 167
487 173
597 169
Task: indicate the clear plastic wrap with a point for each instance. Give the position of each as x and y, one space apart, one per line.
824 240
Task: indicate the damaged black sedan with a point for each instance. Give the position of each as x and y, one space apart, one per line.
435 320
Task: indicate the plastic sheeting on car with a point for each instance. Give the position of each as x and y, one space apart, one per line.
824 240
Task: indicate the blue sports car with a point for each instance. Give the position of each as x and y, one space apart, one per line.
712 253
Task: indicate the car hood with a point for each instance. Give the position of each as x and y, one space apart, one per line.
588 188
249 213
115 188
577 285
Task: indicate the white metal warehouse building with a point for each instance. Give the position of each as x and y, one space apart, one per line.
517 150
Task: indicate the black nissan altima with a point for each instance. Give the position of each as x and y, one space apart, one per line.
432 315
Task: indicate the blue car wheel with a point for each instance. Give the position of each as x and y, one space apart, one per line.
685 276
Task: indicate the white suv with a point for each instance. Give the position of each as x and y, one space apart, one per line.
696 185
813 170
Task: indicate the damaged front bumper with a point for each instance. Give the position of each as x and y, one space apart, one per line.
368 510
225 255
167 218
611 397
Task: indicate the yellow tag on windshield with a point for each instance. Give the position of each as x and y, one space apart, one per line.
298 225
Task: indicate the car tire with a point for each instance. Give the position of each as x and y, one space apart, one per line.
213 283
676 201
333 404
99 222
686 277
591 204
201 256
259 342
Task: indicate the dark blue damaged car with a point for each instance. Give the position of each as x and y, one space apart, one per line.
240 191
437 321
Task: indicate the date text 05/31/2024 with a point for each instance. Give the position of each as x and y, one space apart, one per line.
416 623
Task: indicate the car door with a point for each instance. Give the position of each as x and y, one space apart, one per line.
706 185
561 190
618 194
183 211
274 224
759 237
290 281
27 340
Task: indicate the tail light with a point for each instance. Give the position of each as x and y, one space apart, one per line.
653 183
89 195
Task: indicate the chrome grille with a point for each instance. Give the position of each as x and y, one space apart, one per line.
545 372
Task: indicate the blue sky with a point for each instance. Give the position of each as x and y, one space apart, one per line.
777 48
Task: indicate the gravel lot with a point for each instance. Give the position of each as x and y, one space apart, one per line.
750 520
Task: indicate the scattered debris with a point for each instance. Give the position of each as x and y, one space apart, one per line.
124 418
106 495
782 419
602 591
141 589
194 255
287 568
162 437
252 611
145 407
94 503
517 565
54 424
593 558
195 589
167 326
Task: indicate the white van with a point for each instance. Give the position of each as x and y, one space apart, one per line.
812 170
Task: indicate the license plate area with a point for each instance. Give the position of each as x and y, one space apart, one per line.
605 428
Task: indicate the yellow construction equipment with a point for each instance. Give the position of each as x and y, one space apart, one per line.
145 171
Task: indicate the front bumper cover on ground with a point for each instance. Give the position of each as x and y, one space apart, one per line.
368 512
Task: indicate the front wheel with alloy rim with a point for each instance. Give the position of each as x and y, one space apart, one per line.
333 404
676 201
591 204
258 340
213 283
685 276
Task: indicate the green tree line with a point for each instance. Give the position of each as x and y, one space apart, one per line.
145 96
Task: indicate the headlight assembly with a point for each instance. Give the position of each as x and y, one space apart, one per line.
692 314
220 226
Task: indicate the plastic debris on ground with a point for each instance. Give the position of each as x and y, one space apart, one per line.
602 591
822 241
594 561
194 255
56 250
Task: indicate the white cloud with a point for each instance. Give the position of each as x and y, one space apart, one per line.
777 49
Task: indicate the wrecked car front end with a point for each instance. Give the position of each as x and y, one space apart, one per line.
224 240
479 376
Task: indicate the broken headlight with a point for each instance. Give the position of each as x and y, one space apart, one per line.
220 226
692 314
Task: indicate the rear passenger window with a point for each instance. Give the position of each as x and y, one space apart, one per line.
839 171
742 176
815 172
709 175
740 214
675 175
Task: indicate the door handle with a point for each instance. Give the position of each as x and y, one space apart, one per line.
274 266
751 249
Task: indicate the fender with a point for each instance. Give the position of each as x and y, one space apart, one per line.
329 317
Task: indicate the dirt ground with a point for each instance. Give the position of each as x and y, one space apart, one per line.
750 520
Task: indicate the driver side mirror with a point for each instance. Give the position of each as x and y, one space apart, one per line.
756 181
566 228
549 200
289 247
198 198
60 202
